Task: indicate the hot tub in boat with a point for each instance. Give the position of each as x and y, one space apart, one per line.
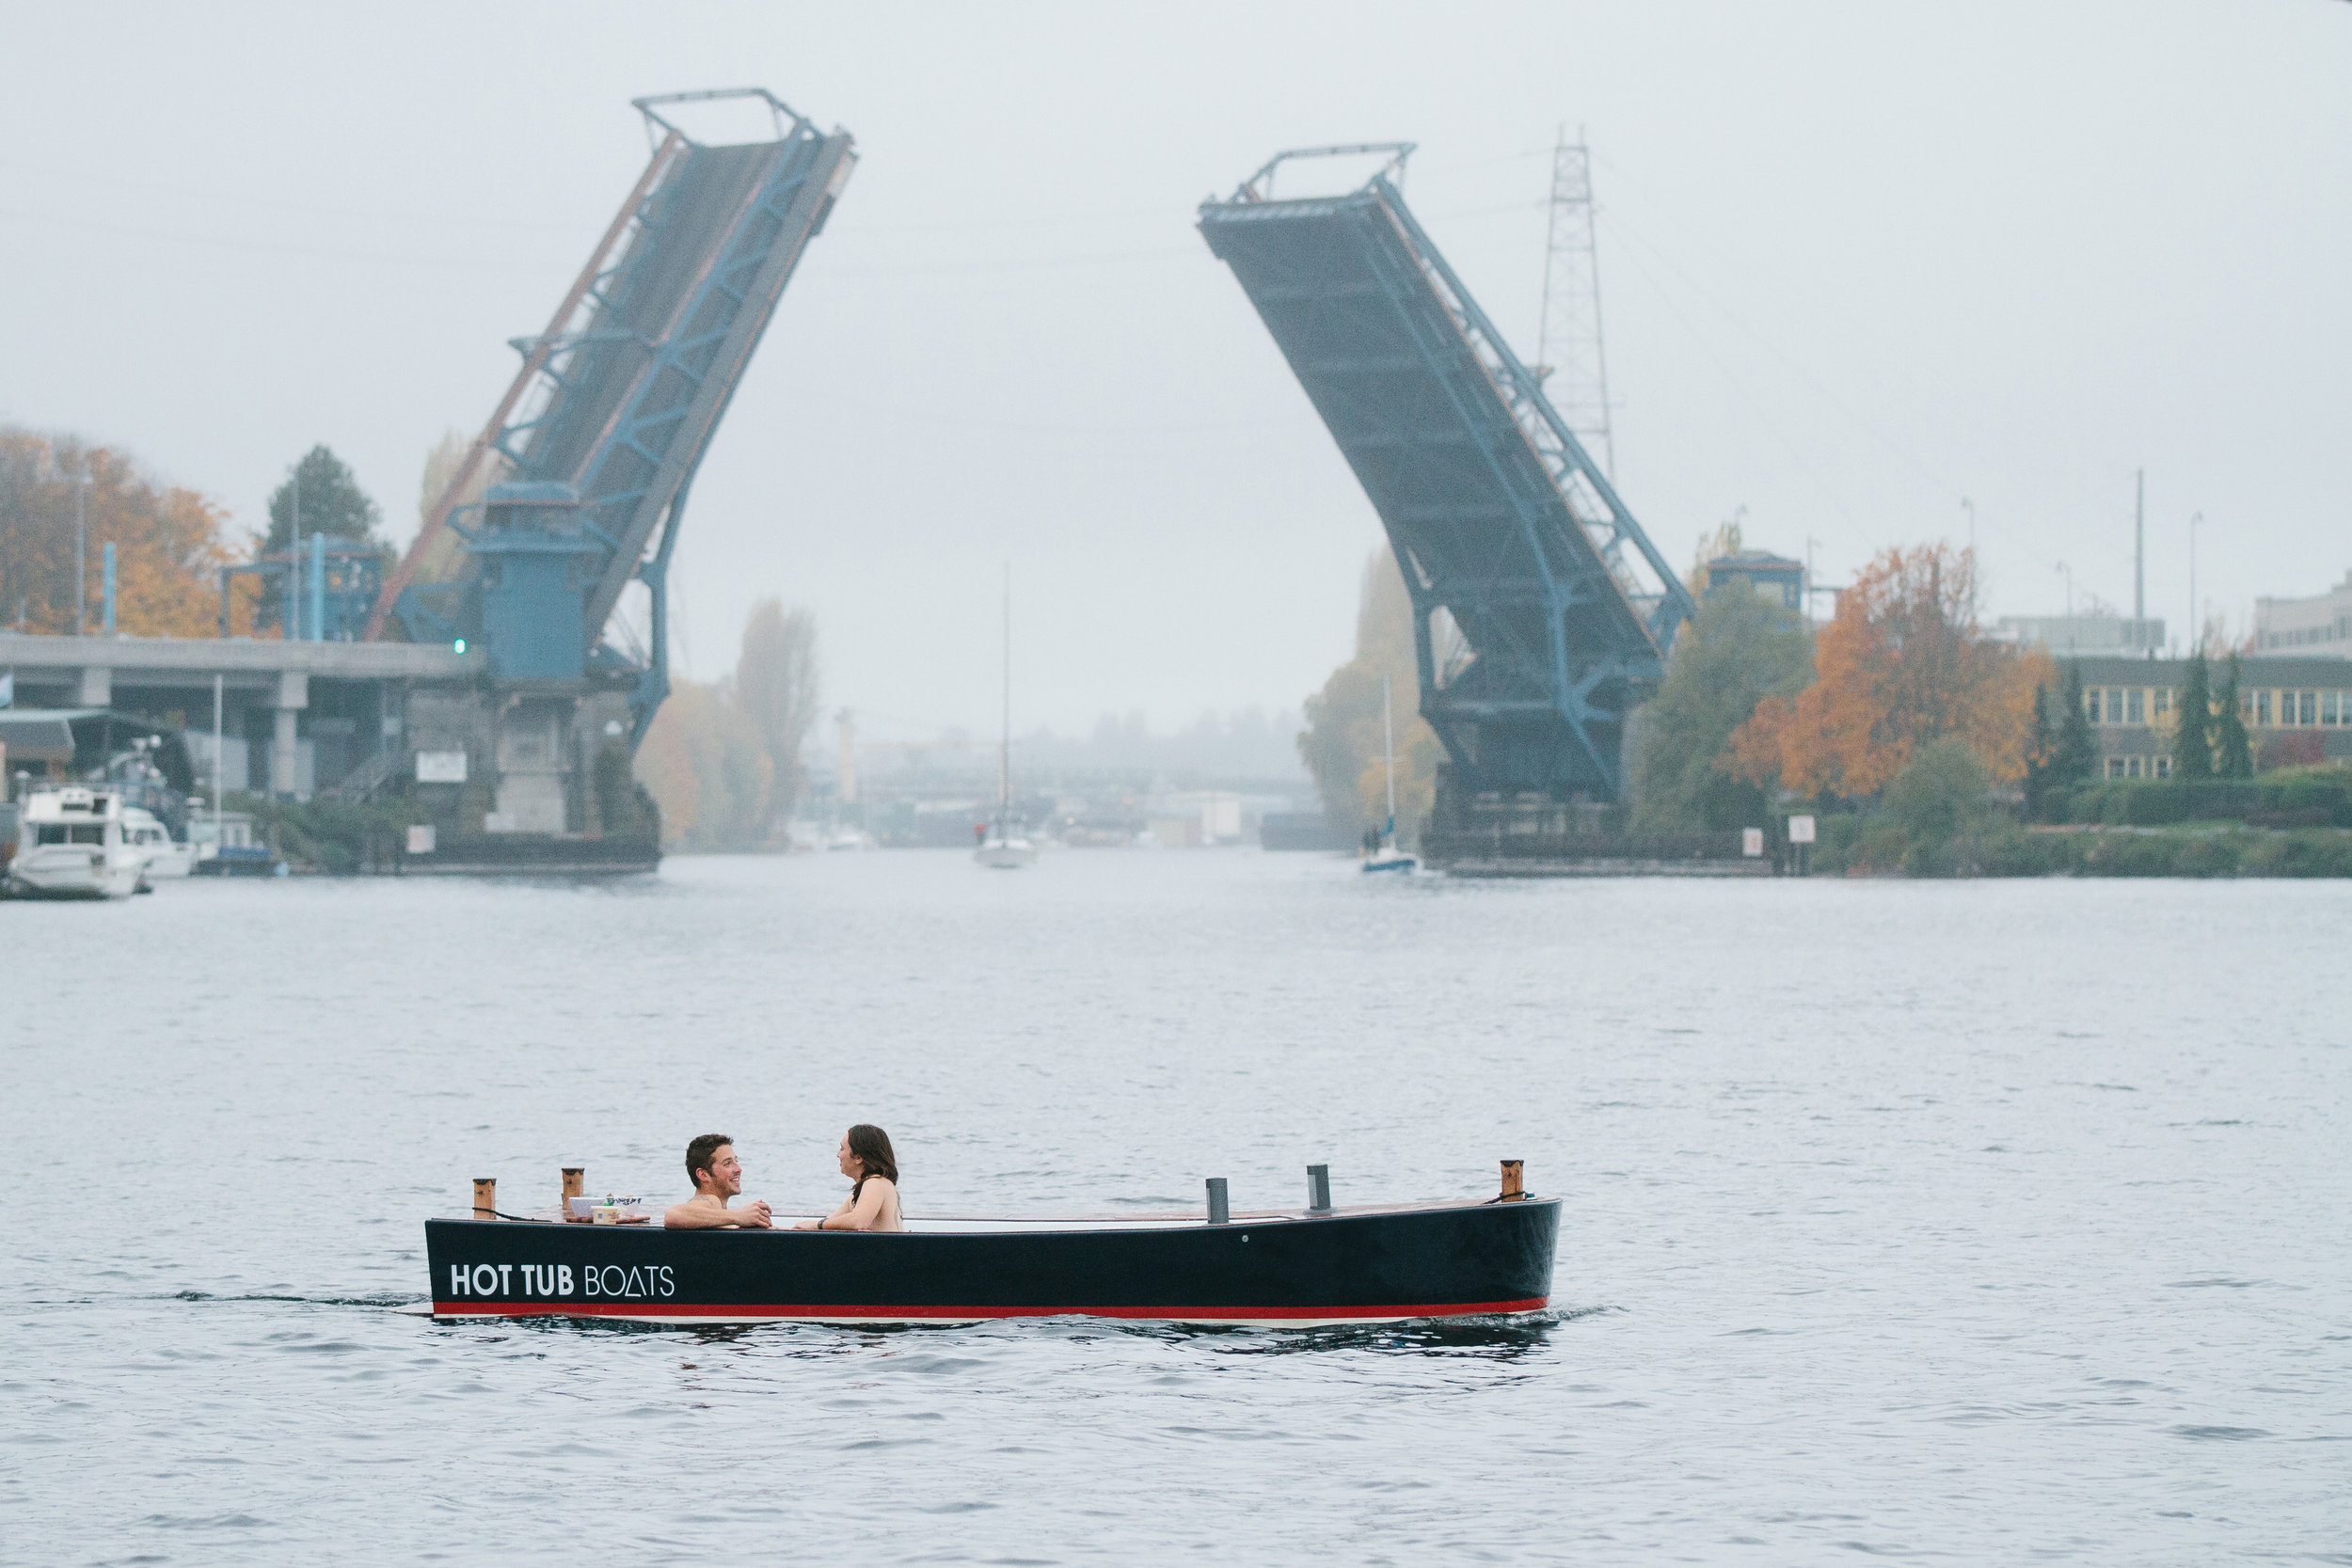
1297 1268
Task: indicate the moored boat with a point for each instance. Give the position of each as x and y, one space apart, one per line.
1297 1268
163 856
70 845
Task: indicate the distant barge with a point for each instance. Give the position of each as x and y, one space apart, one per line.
1298 1268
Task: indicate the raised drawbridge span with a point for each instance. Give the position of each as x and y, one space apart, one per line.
577 484
1542 613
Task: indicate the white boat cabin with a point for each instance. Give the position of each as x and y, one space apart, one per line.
72 844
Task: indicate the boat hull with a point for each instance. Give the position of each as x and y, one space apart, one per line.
1291 1271
75 872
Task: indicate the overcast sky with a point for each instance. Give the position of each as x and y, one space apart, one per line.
1858 260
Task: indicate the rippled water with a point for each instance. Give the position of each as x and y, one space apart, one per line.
1995 1222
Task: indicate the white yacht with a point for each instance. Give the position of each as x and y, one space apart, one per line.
70 844
165 856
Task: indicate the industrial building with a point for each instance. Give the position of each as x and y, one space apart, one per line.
1775 578
2119 636
2320 626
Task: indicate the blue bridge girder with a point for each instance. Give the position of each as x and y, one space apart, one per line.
617 401
1501 524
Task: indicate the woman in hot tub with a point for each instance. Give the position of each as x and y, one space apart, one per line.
873 1172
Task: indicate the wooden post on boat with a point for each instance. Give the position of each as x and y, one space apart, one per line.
574 1185
1512 1190
485 1197
1318 1189
1220 1212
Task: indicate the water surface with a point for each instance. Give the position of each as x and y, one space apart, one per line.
1995 1221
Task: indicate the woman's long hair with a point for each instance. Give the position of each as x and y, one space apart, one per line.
871 1145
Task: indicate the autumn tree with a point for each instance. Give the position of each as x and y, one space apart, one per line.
1899 665
1736 651
775 688
1342 743
706 768
723 760
168 543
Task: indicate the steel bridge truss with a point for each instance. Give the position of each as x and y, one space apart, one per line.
1542 613
617 401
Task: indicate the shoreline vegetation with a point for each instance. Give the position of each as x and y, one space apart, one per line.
1920 746
2280 826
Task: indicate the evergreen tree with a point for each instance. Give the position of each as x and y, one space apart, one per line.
2192 746
332 503
2041 758
2077 753
2233 754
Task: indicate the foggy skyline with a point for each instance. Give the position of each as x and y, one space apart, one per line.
1857 262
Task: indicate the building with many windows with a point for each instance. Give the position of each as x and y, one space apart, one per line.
2320 626
2130 703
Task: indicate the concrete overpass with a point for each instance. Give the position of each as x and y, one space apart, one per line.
296 717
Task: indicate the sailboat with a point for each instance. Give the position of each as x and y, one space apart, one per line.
1386 856
1004 845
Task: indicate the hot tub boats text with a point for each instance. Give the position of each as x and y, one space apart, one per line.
1296 1268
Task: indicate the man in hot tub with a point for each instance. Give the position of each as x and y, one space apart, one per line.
718 1175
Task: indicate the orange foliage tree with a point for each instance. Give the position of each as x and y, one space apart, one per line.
169 543
1900 665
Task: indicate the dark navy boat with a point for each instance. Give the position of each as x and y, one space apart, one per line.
1295 1268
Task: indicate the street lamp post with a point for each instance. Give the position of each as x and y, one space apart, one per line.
2069 604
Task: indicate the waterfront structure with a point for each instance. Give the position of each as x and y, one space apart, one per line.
294 716
2318 628
1775 578
490 682
584 468
2066 635
1542 613
2131 703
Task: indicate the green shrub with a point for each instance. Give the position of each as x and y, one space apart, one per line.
1940 794
2152 805
2317 853
2017 853
2207 855
1833 847
325 834
2129 855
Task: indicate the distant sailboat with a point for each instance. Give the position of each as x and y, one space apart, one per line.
1385 855
1005 846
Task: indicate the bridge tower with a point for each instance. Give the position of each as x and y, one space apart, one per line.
583 470
1512 540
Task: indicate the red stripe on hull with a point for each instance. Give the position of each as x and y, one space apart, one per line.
871 1314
